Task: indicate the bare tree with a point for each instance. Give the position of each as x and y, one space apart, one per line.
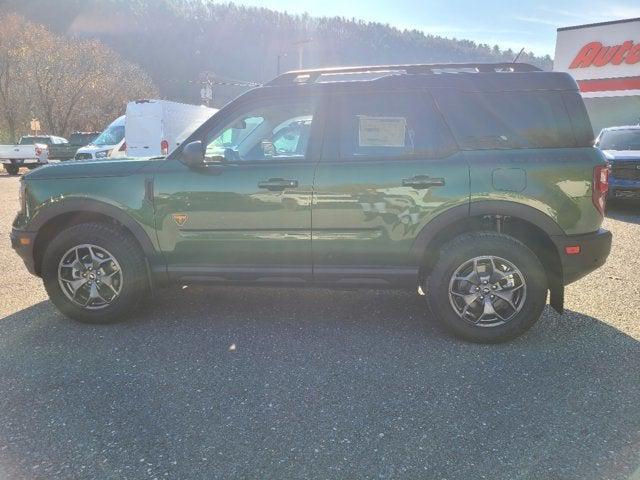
13 102
68 83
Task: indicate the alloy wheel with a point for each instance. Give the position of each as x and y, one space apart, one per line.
90 276
487 291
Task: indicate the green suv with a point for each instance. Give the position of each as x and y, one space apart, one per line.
477 184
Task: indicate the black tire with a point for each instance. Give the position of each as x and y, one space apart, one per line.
12 169
476 244
122 246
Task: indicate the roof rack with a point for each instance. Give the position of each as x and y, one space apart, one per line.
310 76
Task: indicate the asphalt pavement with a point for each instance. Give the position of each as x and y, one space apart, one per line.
257 383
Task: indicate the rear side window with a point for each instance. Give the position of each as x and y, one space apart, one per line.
506 120
582 129
392 124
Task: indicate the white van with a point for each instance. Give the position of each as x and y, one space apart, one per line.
155 127
110 143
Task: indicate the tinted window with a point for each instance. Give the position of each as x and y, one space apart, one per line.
392 125
582 129
483 120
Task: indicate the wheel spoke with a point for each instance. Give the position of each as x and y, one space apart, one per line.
487 310
98 261
94 293
468 298
507 296
75 284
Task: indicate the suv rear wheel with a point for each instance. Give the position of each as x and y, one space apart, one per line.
487 287
94 273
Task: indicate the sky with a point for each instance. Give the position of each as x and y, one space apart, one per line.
526 23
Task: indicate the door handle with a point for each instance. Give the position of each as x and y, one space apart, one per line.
423 181
277 184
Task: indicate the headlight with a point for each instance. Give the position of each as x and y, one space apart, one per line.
103 154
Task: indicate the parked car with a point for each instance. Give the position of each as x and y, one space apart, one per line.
621 147
476 183
109 144
155 127
67 151
31 152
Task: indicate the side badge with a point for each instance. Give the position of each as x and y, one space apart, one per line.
180 218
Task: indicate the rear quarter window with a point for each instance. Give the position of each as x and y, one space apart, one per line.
506 120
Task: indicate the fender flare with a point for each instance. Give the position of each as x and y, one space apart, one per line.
88 205
483 207
496 207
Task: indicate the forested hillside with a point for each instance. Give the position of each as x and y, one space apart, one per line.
177 40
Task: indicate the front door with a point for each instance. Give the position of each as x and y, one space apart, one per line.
390 165
246 215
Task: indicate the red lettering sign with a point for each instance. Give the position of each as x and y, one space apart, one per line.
594 54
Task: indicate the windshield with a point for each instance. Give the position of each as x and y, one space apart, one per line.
620 139
111 136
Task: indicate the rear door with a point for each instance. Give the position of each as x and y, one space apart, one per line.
143 127
389 166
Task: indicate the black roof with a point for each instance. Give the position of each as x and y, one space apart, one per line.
484 77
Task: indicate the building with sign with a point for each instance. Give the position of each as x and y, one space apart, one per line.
604 58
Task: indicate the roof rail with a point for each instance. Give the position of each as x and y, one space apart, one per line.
310 76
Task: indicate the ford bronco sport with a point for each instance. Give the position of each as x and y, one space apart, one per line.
477 183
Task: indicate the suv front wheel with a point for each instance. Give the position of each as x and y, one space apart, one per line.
487 287
94 273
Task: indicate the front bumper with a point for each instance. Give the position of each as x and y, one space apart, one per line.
22 242
594 250
623 189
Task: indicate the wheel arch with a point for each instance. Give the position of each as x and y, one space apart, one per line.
56 217
529 225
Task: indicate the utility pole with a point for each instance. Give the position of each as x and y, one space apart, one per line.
300 44
206 92
280 55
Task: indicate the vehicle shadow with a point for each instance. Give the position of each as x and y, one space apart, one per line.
263 383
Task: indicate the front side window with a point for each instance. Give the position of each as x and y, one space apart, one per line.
392 124
275 130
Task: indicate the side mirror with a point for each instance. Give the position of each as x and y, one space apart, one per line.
192 154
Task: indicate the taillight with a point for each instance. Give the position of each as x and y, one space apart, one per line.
164 147
38 151
600 187
123 147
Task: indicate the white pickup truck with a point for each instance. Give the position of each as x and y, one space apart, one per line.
31 151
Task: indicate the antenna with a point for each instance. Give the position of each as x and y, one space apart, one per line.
518 55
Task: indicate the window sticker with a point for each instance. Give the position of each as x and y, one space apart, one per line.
381 131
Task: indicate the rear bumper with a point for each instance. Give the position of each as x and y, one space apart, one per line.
594 250
21 161
22 242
